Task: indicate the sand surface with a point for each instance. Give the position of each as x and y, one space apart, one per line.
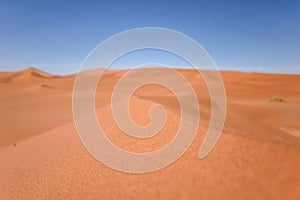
257 156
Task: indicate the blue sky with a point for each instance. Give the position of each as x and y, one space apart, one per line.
56 36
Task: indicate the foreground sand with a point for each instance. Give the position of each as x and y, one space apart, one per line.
257 156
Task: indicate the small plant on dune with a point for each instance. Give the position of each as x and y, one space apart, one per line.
276 99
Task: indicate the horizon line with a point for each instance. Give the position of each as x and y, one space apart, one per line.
125 69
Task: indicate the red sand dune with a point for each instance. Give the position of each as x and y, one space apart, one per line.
257 156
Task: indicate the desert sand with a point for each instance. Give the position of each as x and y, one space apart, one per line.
256 157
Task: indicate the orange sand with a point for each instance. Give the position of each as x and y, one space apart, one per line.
257 156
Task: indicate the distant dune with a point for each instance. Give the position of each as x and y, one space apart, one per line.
25 75
257 156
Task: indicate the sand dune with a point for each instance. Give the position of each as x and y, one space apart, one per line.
25 75
257 156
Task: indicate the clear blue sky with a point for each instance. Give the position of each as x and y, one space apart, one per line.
56 36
